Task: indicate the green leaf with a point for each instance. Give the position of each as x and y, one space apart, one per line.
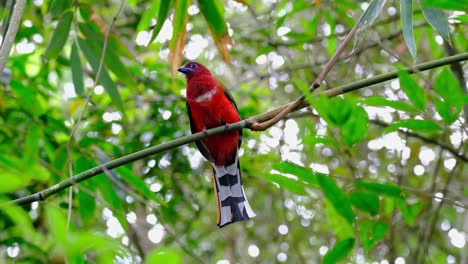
380 188
408 211
139 184
314 140
416 125
461 5
109 194
340 226
149 14
368 17
95 41
331 39
365 201
87 202
339 251
60 36
57 224
77 70
104 78
371 232
451 102
164 8
57 7
337 197
406 9
287 183
164 255
354 130
26 98
380 101
305 174
411 88
31 144
339 110
438 20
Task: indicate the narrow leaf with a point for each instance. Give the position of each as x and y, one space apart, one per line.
406 9
408 211
60 36
415 125
212 11
365 201
286 183
339 251
451 102
164 8
371 232
368 17
179 33
438 20
109 194
411 88
340 226
380 188
337 197
382 102
461 5
104 78
149 14
164 255
355 128
300 172
77 70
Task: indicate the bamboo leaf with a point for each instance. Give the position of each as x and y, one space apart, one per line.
60 36
286 183
438 21
104 77
380 188
164 255
77 70
368 17
164 7
337 197
371 232
214 16
461 5
411 88
365 201
305 174
425 126
179 33
339 251
382 102
451 100
355 128
406 9
340 226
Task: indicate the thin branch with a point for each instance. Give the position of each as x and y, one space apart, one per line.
88 100
247 123
11 33
441 144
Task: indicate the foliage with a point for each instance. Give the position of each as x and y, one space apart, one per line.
375 174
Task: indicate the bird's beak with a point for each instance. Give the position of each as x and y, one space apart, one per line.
185 70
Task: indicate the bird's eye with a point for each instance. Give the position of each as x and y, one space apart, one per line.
193 66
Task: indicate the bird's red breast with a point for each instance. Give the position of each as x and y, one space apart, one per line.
211 106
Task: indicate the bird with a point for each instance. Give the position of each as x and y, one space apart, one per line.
210 104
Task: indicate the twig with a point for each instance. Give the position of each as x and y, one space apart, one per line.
11 33
247 123
88 100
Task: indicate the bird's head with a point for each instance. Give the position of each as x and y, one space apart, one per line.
193 68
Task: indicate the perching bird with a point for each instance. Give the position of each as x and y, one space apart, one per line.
209 105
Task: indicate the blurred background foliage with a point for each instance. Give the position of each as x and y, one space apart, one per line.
374 176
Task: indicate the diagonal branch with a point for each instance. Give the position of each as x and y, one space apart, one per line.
11 33
247 123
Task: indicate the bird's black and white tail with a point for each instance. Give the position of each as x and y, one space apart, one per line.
230 196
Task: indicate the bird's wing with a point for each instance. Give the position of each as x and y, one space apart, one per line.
231 99
201 146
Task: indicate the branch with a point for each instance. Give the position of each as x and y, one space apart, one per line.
247 123
11 33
